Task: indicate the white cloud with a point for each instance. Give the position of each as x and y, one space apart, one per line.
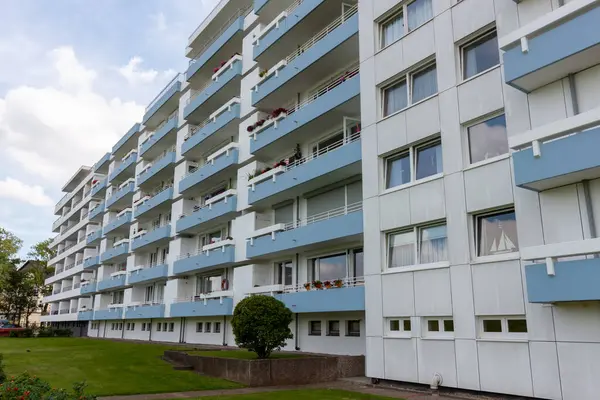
160 20
134 75
16 190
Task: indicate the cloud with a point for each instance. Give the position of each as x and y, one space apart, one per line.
135 75
16 190
160 20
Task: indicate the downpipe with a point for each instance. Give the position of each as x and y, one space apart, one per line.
436 381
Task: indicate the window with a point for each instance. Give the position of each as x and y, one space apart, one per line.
439 327
333 328
158 327
121 326
128 326
143 327
171 327
487 139
399 327
433 326
198 326
480 54
503 327
328 267
419 245
496 233
423 83
217 327
207 327
393 28
353 328
112 327
283 273
401 169
208 283
314 328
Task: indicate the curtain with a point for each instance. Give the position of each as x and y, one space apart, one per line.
419 12
392 30
429 161
424 84
433 244
401 249
395 98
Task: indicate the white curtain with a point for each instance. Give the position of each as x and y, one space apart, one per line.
392 30
433 244
402 249
424 84
395 98
419 12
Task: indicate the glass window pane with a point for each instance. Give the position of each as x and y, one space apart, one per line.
429 161
359 263
497 234
401 249
433 325
392 30
315 328
488 139
353 328
288 273
331 143
481 55
394 325
517 326
433 244
406 325
419 12
398 171
448 325
492 325
332 267
424 84
333 328
394 98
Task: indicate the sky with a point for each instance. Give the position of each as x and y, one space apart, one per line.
75 75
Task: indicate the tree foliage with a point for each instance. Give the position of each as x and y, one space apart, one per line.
10 245
261 324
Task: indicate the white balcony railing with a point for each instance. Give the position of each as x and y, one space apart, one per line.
222 243
336 212
550 253
275 23
169 85
219 294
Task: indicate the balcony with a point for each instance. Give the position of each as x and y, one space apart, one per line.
119 224
223 85
219 126
332 164
202 307
126 168
149 274
162 139
349 297
117 280
331 49
85 315
160 170
337 226
145 311
321 111
123 197
95 214
154 205
109 314
164 103
216 168
94 237
99 189
116 254
215 255
217 210
91 262
153 238
559 153
560 43
268 10
553 280
89 288
127 142
101 166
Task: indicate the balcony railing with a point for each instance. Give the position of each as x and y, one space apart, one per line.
226 107
336 212
211 159
209 247
67 288
204 296
56 291
166 88
151 134
276 21
64 311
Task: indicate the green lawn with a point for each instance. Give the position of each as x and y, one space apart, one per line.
307 394
108 367
239 354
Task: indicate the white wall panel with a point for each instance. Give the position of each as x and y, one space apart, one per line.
432 292
497 288
504 367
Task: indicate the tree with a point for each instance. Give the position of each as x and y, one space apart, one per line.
9 245
261 324
18 293
41 254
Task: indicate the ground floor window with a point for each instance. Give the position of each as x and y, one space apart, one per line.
314 328
353 328
333 328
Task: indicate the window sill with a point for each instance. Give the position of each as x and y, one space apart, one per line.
486 162
446 338
408 107
471 78
411 184
502 340
397 337
496 258
412 268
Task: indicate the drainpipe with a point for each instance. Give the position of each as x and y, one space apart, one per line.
296 334
151 329
123 330
436 381
104 330
224 330
182 330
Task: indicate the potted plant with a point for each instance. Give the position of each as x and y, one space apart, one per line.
327 284
263 73
317 284
307 286
260 122
250 128
338 283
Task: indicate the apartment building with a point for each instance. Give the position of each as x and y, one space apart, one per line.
464 258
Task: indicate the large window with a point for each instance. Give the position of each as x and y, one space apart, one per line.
393 28
208 283
488 139
330 267
353 328
283 273
496 233
480 54
423 83
418 245
416 163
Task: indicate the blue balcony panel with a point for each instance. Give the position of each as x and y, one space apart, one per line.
563 161
323 114
100 188
152 238
332 53
94 237
91 262
212 308
115 254
160 170
333 231
258 5
207 217
225 46
115 282
122 198
322 171
213 133
217 258
108 314
564 48
327 300
85 315
89 289
164 104
573 281
145 312
125 170
97 212
127 142
120 224
144 275
163 138
214 96
101 165
206 175
154 205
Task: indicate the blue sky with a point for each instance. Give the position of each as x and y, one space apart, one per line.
74 76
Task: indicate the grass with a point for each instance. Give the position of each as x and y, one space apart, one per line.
306 394
239 354
109 368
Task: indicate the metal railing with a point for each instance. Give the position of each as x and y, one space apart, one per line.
73 310
164 154
165 89
56 291
70 266
64 311
336 212
76 285
199 251
67 288
204 296
346 282
336 145
150 135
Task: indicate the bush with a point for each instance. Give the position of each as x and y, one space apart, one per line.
261 324
63 333
51 332
46 332
26 387
24 333
2 373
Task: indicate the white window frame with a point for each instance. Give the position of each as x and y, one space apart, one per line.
412 154
475 226
471 41
505 334
417 254
442 333
310 330
401 10
347 328
402 332
467 140
408 78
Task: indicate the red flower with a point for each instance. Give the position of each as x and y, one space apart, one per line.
215 70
